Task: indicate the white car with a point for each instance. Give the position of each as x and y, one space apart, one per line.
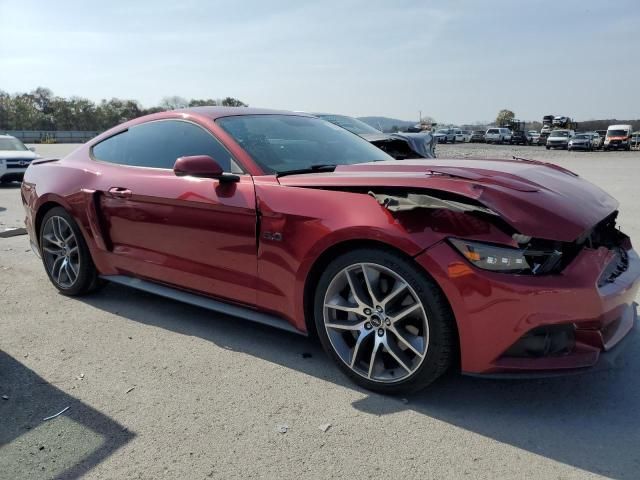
560 138
15 157
463 135
498 135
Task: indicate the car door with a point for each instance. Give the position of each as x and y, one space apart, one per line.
193 233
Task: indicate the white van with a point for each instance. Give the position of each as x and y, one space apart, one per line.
618 136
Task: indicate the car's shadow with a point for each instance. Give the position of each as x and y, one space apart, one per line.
67 446
590 421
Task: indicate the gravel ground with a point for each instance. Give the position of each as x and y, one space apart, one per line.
157 389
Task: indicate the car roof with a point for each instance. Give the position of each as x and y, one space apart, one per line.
218 112
6 136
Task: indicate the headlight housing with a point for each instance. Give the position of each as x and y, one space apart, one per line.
500 258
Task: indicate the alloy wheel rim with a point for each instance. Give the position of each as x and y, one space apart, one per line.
376 322
60 251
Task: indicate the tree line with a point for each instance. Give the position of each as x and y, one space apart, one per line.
42 110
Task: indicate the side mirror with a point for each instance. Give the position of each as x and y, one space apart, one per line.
33 149
202 166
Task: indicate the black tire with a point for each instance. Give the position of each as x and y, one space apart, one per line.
87 278
548 147
441 350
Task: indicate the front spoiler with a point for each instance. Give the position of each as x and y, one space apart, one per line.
605 360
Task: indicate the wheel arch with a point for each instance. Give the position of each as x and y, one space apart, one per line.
41 212
337 249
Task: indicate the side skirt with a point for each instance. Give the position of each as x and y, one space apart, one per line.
203 302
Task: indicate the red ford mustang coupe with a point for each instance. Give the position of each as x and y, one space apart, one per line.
402 268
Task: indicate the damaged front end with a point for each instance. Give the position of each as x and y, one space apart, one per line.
402 146
522 254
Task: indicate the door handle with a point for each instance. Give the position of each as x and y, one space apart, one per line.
120 192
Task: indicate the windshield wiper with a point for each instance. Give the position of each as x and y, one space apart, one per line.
312 169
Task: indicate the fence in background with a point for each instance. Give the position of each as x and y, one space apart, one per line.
44 136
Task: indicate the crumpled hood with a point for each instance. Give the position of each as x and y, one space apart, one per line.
537 199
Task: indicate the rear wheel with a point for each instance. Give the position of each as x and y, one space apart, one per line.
383 321
65 254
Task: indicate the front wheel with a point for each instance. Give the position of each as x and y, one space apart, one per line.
383 321
65 254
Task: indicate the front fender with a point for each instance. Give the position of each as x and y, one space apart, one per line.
297 225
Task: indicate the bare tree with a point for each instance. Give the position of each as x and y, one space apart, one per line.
173 103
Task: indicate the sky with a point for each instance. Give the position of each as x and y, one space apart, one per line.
456 61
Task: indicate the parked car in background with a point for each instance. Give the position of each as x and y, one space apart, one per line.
603 134
596 140
618 137
15 157
559 121
403 270
463 136
519 137
497 135
543 137
445 135
559 138
534 137
400 145
477 136
635 140
581 141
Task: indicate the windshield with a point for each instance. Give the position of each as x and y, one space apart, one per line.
352 124
583 136
478 132
559 133
12 144
281 143
444 132
616 133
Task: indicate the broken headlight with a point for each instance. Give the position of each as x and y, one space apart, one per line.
507 259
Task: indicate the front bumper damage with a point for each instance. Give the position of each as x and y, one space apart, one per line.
522 324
